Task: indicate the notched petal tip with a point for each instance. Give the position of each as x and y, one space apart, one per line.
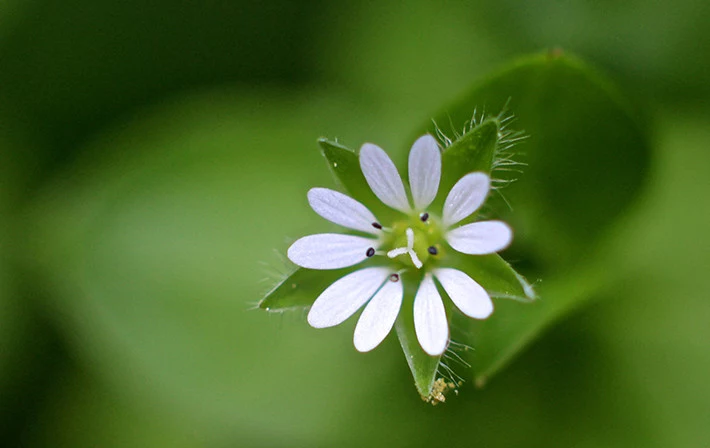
343 210
465 197
466 293
378 317
344 297
383 178
430 322
424 171
329 250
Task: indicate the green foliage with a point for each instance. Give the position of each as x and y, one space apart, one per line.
171 150
156 257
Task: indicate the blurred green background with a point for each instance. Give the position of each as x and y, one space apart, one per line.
154 155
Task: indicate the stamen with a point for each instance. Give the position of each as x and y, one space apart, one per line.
377 225
424 216
432 250
370 252
394 277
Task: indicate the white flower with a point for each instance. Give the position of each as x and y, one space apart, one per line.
411 245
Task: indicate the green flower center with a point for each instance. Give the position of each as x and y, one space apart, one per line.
427 234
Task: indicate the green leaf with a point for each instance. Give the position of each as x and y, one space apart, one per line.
498 339
587 158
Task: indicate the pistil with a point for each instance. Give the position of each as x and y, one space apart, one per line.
409 249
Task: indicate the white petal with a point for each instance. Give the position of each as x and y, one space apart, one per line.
341 209
383 178
424 171
330 250
430 322
465 197
467 295
341 299
379 315
480 238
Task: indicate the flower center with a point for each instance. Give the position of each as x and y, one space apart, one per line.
412 242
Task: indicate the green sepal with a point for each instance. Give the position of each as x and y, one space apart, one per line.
495 274
345 165
424 367
300 288
473 151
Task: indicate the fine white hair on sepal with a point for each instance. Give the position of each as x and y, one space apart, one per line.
430 323
504 158
378 317
443 138
275 272
330 250
344 297
424 171
480 238
467 295
343 210
452 357
383 178
446 371
466 196
454 351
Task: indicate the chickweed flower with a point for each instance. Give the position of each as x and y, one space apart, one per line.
412 243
